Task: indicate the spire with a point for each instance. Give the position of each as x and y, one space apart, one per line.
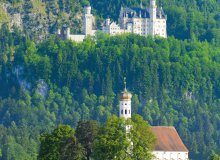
125 83
125 95
152 2
125 102
141 5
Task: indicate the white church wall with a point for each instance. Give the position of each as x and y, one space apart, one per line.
125 109
163 155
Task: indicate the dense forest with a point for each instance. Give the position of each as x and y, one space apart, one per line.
109 141
174 81
57 81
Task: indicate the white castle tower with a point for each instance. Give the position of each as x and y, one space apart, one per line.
87 21
153 9
125 103
153 16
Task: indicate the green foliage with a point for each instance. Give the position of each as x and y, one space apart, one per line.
61 82
110 141
214 157
61 144
3 15
114 142
143 140
86 133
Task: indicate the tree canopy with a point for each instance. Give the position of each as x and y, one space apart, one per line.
214 157
174 82
61 144
110 141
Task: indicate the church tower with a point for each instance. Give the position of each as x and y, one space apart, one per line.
125 103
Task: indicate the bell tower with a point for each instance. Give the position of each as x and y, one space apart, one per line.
125 103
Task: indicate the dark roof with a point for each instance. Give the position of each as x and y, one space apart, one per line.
142 12
139 11
168 139
160 11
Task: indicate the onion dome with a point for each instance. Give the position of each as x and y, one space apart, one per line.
125 95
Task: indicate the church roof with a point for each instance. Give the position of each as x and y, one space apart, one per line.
125 95
168 139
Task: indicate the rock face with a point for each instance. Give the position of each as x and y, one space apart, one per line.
39 18
16 20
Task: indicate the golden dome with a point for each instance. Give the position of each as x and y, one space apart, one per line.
125 95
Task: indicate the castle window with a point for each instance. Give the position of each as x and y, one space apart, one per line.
129 111
122 111
126 111
125 103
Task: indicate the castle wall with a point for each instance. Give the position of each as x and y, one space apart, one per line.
160 28
76 38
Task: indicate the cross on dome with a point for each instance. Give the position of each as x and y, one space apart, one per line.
125 95
125 83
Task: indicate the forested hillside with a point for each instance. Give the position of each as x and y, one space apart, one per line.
60 82
45 81
187 19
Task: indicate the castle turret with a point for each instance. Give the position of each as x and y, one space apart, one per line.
87 21
125 103
87 10
68 33
153 15
108 21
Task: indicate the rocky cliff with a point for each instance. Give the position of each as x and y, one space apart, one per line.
38 18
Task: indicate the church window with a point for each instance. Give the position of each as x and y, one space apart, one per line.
126 111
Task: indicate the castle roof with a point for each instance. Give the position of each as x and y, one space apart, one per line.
142 12
168 139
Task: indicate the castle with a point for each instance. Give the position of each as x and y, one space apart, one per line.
169 144
88 24
141 21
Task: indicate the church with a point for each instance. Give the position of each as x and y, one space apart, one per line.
169 144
